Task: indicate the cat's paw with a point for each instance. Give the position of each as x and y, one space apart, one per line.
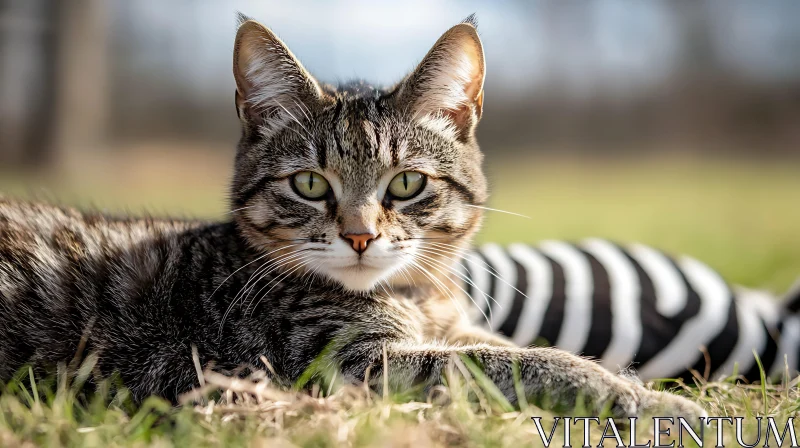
664 404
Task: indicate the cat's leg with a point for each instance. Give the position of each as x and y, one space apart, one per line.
549 377
456 328
163 368
468 334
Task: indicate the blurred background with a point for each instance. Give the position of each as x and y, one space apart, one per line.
674 123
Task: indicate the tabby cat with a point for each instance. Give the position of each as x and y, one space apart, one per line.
336 196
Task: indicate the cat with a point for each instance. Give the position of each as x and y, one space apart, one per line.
335 199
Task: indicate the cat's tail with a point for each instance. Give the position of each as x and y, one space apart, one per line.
791 301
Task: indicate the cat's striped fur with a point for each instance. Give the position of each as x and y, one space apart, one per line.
632 306
281 280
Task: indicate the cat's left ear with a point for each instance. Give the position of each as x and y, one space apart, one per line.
271 84
448 83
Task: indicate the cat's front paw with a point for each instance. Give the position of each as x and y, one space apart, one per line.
664 404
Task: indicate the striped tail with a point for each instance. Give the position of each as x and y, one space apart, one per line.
631 306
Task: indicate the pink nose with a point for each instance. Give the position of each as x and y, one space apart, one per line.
359 241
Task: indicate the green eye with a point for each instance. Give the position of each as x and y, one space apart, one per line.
407 184
310 185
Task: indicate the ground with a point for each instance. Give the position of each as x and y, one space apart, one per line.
739 216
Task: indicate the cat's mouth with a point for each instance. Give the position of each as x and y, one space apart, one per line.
360 265
362 271
358 276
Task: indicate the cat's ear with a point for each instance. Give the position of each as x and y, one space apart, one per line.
448 83
271 84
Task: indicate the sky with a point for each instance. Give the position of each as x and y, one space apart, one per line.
621 43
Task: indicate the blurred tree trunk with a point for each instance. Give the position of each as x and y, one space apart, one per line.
27 81
82 85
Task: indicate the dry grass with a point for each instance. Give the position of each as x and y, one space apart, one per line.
254 412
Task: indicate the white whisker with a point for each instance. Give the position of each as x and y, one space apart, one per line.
256 273
238 209
453 271
496 275
247 305
296 256
498 210
384 289
470 282
278 280
265 269
406 275
248 264
230 306
410 277
457 250
443 289
308 276
461 253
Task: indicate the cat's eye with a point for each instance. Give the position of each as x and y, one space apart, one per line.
406 185
310 185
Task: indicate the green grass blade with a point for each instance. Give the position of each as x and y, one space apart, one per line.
486 384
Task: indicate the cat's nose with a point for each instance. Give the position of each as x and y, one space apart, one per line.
359 241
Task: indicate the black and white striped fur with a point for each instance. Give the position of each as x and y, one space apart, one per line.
633 306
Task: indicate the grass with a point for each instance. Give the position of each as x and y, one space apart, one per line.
253 412
740 217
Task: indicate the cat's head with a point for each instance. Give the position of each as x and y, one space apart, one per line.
357 184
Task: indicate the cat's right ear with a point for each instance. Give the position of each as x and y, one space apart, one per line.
446 88
272 86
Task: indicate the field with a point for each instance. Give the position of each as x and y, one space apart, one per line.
739 216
